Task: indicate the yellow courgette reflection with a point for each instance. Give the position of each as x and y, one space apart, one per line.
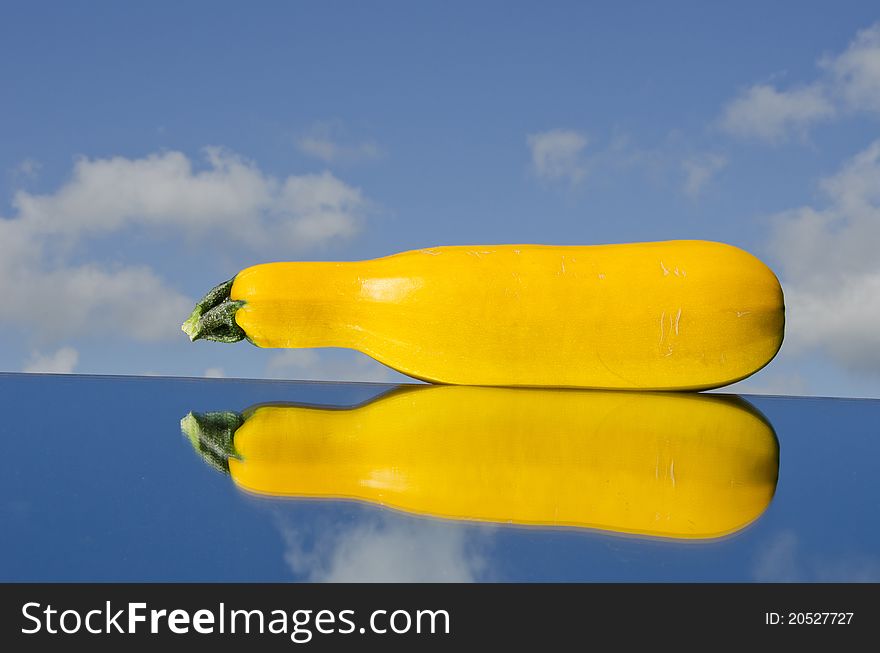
669 465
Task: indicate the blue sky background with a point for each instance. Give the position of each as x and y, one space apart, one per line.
148 152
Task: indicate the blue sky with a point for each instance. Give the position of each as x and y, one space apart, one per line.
148 152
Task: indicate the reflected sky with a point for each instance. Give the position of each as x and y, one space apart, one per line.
100 485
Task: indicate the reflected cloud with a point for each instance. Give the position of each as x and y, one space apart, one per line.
776 563
685 466
783 561
386 548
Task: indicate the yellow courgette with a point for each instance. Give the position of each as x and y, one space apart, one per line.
658 464
676 315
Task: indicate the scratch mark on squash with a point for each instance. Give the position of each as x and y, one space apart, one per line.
662 325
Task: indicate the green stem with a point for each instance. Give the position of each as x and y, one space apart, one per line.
212 435
213 318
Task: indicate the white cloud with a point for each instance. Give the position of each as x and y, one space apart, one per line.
848 82
855 74
230 198
292 360
332 152
324 208
27 169
214 373
557 155
62 361
324 141
768 382
699 171
343 365
842 322
832 268
765 113
561 155
54 300
85 300
390 549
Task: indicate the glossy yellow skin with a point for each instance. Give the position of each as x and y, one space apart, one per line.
677 315
670 465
